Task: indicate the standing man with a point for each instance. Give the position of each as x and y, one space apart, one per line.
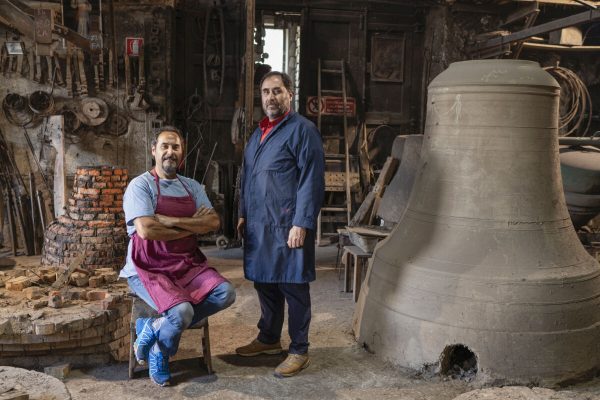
164 213
281 194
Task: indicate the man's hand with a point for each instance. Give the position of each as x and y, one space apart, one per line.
296 237
240 227
203 211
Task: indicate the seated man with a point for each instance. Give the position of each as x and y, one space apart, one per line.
164 214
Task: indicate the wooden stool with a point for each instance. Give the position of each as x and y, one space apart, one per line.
359 257
139 309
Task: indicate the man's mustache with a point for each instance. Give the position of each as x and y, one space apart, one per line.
172 158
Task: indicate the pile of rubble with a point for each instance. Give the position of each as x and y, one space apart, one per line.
50 315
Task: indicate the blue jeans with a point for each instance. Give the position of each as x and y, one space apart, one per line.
183 315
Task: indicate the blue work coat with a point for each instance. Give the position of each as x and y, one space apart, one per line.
282 185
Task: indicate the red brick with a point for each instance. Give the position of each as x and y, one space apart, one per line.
88 217
93 172
87 232
100 224
106 172
18 284
110 277
99 185
119 171
96 281
33 293
88 191
112 191
115 178
104 197
94 295
94 240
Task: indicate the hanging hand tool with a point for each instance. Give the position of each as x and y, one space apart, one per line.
38 69
69 76
33 207
43 217
110 67
82 77
31 148
58 72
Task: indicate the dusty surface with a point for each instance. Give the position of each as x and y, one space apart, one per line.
522 393
39 386
339 369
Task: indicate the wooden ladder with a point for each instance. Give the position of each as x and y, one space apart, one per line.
341 72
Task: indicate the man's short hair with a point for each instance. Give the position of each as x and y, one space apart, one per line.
166 128
285 78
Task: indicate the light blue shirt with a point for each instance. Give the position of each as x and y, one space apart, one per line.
140 200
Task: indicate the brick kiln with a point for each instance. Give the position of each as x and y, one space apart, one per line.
94 224
72 309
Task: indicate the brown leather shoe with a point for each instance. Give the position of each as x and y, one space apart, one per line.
256 347
293 364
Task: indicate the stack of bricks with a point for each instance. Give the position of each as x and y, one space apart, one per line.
94 224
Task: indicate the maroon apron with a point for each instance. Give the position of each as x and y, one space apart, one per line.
174 271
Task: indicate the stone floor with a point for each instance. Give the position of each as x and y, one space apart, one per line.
340 369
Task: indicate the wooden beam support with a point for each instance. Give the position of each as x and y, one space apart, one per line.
521 13
18 17
559 48
587 16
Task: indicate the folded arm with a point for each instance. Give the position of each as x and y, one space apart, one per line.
162 227
149 228
203 221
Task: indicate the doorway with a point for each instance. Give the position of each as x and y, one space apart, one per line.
278 45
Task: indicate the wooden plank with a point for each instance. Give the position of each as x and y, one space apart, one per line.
560 2
385 176
587 16
363 211
374 209
556 47
370 230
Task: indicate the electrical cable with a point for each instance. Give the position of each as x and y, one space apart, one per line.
575 99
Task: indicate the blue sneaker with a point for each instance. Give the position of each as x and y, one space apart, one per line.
145 339
159 367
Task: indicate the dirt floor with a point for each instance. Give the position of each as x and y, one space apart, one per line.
340 369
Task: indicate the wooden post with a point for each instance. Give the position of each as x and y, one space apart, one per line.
56 127
249 69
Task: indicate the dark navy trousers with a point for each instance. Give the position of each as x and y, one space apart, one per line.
272 298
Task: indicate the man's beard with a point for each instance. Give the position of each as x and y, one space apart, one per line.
170 168
273 112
